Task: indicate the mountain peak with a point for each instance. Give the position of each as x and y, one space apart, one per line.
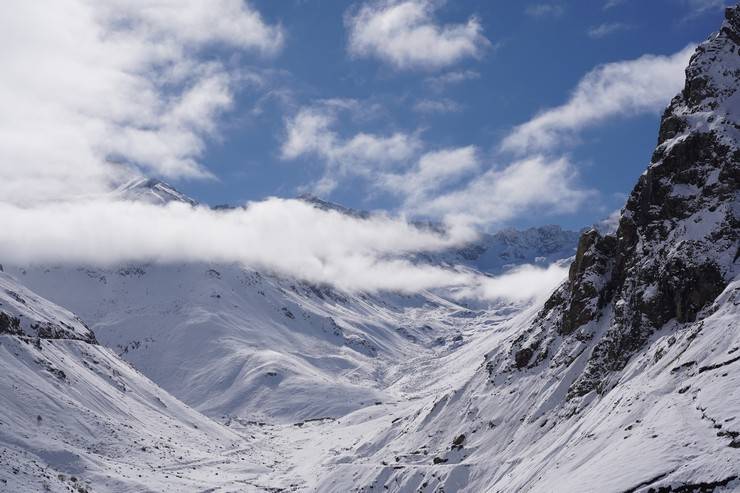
153 191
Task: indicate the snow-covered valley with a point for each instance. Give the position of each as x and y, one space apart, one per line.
168 376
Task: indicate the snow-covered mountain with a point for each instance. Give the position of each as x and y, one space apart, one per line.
152 191
213 377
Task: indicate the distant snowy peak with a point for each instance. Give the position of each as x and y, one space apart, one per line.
325 205
152 191
498 252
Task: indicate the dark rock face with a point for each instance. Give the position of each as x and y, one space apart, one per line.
677 241
10 325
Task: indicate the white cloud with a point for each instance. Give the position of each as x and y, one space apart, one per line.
645 84
195 23
94 91
523 283
311 133
434 169
701 6
604 30
444 105
545 10
613 3
528 185
442 81
405 34
284 237
288 237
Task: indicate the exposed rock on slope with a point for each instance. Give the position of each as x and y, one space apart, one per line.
677 242
22 312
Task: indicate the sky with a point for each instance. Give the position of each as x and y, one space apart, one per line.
478 114
522 58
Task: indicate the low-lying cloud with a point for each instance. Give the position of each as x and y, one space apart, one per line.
286 237
520 284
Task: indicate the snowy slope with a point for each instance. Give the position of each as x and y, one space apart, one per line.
496 253
234 342
74 416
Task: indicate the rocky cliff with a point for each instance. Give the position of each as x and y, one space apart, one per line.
676 246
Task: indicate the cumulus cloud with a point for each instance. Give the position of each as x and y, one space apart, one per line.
95 91
645 84
404 34
500 194
606 29
311 132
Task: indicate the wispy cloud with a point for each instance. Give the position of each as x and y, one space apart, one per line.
543 10
406 35
311 132
501 193
606 29
645 84
434 170
442 81
444 105
116 88
613 3
699 7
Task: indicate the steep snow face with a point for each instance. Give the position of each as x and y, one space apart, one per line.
75 417
626 379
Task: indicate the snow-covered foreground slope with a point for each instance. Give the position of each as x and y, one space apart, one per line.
74 416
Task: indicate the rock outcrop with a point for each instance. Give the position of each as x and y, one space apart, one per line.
676 246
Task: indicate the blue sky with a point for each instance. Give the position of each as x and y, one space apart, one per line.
536 53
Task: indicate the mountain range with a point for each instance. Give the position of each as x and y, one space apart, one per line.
214 377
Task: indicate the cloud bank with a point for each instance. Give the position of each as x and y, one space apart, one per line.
288 237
